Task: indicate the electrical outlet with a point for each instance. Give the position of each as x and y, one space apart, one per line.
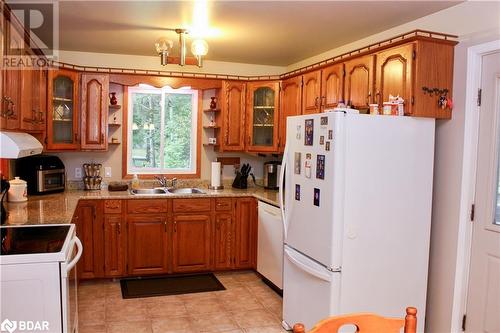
107 172
78 172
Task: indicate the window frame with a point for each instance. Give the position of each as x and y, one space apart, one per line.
127 134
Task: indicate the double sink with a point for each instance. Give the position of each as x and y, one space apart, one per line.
166 191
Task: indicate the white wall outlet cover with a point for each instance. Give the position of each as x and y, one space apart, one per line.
78 172
107 172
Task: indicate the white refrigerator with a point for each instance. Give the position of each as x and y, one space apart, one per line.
356 215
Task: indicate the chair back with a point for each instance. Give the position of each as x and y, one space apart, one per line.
365 323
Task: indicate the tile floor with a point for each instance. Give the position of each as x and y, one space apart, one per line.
247 305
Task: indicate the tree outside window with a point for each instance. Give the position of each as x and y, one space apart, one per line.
162 130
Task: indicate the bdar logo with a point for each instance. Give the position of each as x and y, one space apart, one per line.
8 326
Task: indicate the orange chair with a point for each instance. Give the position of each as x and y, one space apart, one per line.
365 323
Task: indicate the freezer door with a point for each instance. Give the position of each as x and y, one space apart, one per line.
311 292
314 186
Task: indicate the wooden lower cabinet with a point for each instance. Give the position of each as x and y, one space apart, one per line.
147 244
88 220
223 225
245 233
115 237
191 241
186 236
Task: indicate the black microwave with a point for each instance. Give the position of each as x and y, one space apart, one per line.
43 173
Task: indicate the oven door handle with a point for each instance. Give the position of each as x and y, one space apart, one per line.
73 262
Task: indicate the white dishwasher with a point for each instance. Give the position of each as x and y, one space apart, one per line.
270 244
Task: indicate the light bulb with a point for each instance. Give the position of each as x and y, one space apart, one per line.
163 45
199 47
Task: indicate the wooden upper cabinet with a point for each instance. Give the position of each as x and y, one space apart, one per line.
233 116
115 235
191 240
311 92
291 105
262 116
394 75
245 239
94 111
147 244
359 79
62 110
332 86
11 80
433 69
34 100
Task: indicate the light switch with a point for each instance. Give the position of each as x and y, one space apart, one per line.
78 172
107 172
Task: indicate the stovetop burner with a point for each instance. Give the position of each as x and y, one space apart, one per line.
35 239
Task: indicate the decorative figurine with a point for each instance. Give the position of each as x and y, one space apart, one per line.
112 98
213 103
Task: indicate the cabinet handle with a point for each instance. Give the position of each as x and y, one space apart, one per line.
316 101
165 225
119 228
102 137
175 226
8 113
377 98
323 100
368 98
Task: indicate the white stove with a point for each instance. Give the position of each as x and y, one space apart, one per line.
38 282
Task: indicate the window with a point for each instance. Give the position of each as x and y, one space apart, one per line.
162 127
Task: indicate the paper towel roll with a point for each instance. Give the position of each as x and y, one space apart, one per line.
216 174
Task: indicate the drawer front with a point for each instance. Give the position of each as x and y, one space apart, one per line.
223 204
142 206
112 206
191 205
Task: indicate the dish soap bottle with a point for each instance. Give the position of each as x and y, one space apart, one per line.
135 182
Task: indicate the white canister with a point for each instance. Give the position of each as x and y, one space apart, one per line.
18 190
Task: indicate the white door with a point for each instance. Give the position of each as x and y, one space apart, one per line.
483 300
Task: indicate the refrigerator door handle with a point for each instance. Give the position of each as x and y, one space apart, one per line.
282 190
306 268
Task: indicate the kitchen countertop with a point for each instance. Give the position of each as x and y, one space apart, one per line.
60 207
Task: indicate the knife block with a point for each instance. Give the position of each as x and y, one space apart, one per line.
240 181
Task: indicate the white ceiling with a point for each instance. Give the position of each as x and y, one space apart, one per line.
257 32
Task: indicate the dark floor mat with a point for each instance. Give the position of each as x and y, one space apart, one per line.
169 285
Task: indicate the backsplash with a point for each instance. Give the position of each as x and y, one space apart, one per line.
150 183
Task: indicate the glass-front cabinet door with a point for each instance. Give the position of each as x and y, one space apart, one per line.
62 120
263 115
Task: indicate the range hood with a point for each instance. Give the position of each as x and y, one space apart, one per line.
17 144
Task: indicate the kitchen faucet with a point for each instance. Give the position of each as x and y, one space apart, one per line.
163 181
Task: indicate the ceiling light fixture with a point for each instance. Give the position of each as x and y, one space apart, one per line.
199 48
